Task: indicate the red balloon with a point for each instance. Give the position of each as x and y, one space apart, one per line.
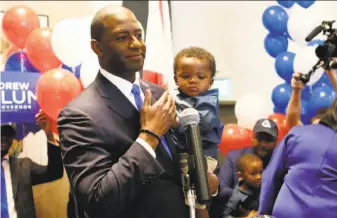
11 50
280 120
55 89
40 51
18 22
234 137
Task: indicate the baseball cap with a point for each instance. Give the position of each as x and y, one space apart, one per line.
266 126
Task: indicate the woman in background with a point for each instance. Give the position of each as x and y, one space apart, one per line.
301 178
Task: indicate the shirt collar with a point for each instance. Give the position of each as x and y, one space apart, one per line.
122 84
247 191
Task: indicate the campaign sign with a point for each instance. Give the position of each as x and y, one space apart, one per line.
18 99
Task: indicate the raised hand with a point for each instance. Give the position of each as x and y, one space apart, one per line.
45 123
296 83
160 116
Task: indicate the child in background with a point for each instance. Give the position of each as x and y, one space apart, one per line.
244 201
194 71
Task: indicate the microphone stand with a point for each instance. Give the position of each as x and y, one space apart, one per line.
190 194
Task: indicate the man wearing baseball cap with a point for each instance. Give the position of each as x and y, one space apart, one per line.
264 140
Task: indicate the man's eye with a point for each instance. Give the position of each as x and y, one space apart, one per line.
120 38
139 36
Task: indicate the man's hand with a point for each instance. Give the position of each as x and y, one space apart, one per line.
213 183
296 83
158 117
45 123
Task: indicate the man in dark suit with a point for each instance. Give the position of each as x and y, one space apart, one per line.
116 143
18 175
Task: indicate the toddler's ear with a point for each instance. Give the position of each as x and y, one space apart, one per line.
240 177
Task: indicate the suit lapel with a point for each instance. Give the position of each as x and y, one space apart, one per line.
116 100
15 170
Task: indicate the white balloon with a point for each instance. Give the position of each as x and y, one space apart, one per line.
305 59
250 108
302 21
71 40
89 69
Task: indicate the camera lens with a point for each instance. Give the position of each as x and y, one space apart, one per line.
326 50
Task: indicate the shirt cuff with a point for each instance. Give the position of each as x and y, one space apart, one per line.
216 193
146 146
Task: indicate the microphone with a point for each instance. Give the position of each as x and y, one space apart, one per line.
189 118
314 33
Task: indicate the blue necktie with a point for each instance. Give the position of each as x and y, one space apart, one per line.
4 204
139 102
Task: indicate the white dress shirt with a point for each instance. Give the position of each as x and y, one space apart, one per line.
9 188
125 87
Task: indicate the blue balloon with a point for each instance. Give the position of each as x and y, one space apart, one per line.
77 70
286 3
281 95
321 97
275 44
275 19
323 81
305 4
284 65
306 93
19 62
278 110
316 42
305 118
287 35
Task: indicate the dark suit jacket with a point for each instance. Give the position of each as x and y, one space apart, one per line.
25 173
110 174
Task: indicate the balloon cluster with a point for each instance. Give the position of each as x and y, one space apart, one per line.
248 110
58 54
283 30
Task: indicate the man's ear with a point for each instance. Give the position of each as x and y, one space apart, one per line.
96 47
254 140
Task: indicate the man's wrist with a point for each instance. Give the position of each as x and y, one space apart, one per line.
51 138
297 89
149 139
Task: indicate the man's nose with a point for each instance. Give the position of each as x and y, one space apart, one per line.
258 176
135 43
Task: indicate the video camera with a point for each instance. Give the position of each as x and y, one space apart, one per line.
326 51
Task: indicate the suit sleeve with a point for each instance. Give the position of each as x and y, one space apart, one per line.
273 176
103 188
54 169
226 180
